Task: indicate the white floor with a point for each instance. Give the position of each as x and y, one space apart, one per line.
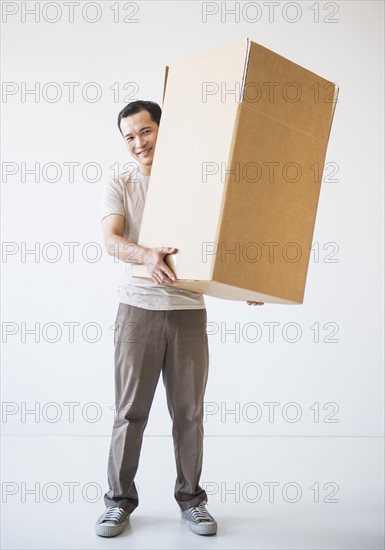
346 469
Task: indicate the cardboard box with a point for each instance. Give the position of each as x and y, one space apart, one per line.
237 172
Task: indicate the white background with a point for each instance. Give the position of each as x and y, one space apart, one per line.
342 380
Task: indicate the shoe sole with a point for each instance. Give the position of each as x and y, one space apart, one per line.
109 531
203 529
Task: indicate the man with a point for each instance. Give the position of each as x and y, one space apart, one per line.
159 328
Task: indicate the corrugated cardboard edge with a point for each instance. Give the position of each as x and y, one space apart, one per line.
165 83
248 45
335 99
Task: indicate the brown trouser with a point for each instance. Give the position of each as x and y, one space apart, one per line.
146 343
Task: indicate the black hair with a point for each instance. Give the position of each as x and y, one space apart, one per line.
139 105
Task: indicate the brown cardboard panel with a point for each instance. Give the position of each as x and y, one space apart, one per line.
267 203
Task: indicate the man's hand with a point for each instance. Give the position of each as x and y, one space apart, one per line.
255 303
153 260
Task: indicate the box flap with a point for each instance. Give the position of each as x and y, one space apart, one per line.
278 87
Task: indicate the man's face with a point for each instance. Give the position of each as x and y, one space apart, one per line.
140 133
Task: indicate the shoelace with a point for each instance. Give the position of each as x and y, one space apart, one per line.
113 513
199 513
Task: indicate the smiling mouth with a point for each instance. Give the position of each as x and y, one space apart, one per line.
145 151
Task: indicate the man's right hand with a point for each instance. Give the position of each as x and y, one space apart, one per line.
153 260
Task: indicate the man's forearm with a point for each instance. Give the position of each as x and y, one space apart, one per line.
121 248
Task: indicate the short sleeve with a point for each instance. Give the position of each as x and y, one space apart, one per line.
111 198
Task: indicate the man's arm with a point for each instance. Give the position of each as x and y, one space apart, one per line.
119 247
115 243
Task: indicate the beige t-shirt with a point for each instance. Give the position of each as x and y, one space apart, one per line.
126 195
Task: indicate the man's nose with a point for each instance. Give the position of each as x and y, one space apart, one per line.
140 142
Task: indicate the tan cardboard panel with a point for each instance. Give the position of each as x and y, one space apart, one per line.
192 135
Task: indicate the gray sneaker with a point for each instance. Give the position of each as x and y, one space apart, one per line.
199 520
112 522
